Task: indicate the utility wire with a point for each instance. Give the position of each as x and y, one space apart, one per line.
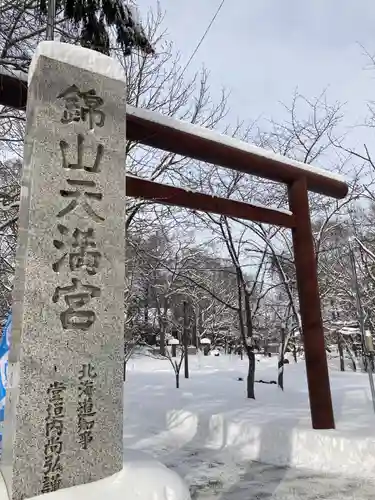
203 37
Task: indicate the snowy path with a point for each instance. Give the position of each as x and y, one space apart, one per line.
214 480
216 475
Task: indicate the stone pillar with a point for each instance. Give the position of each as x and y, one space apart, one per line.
64 410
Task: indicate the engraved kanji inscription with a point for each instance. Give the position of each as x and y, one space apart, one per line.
77 296
79 195
86 408
79 249
82 105
72 98
54 425
51 482
87 372
64 147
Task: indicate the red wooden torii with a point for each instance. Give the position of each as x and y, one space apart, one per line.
181 138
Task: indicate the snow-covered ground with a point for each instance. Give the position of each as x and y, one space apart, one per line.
210 433
142 478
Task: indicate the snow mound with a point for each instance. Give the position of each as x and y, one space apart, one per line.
142 478
81 57
210 420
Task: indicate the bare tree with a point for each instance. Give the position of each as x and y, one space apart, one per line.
157 84
176 362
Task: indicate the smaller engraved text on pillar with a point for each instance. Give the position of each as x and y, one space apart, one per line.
86 407
54 426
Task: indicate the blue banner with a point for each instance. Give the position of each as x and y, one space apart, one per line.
4 351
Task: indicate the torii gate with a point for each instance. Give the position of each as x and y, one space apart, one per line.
153 129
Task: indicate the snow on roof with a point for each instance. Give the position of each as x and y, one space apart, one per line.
211 135
81 57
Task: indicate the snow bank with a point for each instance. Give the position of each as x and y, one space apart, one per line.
278 444
210 415
81 57
142 478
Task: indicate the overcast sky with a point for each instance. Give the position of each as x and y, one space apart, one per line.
262 50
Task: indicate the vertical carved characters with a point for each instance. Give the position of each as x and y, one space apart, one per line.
54 426
82 105
76 248
86 408
78 244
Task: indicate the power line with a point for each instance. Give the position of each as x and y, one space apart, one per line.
204 36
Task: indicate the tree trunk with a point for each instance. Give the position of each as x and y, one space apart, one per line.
200 323
294 347
163 327
177 380
186 340
280 378
371 361
145 312
194 332
352 357
341 353
265 346
251 375
124 370
162 339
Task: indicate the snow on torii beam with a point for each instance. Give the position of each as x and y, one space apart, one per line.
176 136
182 138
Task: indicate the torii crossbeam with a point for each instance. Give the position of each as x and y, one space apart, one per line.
182 138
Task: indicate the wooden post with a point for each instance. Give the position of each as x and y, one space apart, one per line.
312 325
